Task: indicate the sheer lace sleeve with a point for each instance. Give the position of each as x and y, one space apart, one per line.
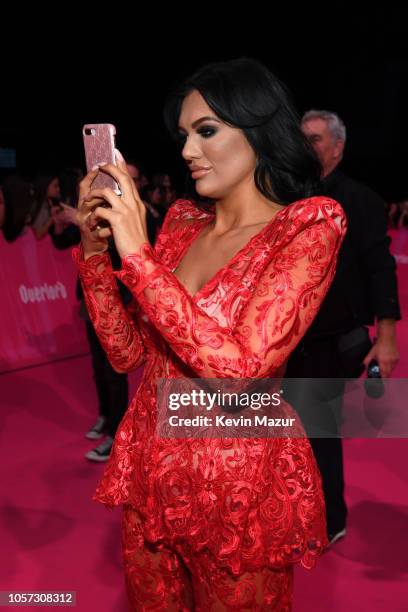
283 304
114 324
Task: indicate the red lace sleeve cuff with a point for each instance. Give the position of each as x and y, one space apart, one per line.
93 266
139 269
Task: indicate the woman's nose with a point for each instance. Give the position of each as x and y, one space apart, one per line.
191 150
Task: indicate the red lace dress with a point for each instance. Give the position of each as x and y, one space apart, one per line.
250 503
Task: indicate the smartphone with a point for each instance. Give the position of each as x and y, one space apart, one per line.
99 144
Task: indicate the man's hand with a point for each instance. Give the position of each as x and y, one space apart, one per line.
385 350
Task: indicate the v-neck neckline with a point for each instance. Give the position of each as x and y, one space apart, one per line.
238 254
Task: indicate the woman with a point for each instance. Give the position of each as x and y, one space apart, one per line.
228 291
17 206
166 191
48 197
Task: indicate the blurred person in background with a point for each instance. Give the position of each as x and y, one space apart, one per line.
111 386
163 180
154 215
64 214
47 193
17 206
69 180
364 291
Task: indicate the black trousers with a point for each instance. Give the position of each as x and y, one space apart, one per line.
112 387
319 405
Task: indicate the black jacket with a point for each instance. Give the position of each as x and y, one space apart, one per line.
365 283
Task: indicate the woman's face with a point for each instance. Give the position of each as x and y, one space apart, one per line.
54 190
166 181
223 151
156 196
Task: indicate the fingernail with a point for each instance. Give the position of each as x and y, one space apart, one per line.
95 168
119 155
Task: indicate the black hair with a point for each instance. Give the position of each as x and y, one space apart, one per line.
69 179
41 184
246 95
19 205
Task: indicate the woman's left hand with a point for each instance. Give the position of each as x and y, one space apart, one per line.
127 217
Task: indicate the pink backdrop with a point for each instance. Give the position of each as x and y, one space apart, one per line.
39 312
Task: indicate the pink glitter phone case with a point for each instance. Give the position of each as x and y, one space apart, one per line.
99 143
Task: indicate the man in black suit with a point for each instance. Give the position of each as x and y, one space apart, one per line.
364 292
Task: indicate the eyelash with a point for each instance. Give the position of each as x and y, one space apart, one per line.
207 129
202 130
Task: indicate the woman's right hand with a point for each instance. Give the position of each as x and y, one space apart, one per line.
94 240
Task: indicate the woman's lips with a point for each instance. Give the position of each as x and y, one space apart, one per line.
199 173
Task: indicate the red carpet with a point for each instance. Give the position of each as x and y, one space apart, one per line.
54 537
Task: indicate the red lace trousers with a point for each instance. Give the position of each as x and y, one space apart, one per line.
163 578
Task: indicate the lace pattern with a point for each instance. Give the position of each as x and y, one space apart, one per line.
250 502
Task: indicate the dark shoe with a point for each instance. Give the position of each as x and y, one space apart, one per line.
101 452
97 430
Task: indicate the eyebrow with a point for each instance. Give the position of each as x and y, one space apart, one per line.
198 121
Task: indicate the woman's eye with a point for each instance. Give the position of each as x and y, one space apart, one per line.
206 132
